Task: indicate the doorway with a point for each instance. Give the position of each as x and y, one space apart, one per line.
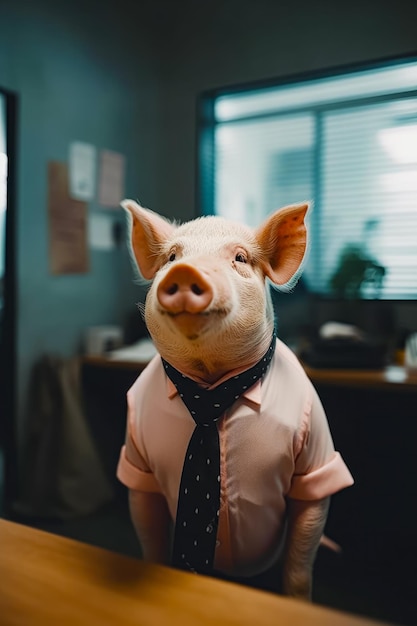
8 457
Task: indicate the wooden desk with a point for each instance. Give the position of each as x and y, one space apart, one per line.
48 580
116 364
355 401
390 378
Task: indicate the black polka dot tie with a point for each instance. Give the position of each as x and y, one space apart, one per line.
199 493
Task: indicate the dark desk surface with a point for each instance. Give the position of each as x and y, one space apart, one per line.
49 580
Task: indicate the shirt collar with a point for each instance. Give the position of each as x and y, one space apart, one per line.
253 394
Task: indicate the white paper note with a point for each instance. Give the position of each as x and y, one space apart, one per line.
112 175
82 171
100 232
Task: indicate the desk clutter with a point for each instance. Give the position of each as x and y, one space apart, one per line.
343 346
410 357
141 351
99 340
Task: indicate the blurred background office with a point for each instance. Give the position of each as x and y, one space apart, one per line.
138 83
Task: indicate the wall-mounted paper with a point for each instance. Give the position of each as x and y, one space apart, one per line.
112 177
68 250
100 232
82 170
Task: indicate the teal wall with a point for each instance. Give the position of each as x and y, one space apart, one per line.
81 73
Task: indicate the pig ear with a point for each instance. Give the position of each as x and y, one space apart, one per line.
148 231
283 241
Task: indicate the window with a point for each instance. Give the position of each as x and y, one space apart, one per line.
348 142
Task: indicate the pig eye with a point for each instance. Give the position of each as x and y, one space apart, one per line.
240 258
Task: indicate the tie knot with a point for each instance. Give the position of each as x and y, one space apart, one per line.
207 406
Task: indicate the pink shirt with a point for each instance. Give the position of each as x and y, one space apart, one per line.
274 443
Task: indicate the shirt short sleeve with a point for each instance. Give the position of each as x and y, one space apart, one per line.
319 470
132 469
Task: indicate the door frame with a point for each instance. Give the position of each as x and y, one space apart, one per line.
8 340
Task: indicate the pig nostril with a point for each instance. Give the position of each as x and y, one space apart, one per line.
184 289
196 289
172 289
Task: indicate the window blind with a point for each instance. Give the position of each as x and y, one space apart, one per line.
351 148
369 196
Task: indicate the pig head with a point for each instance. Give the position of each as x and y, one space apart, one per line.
208 310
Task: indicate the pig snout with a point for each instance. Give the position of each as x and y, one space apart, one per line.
184 289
